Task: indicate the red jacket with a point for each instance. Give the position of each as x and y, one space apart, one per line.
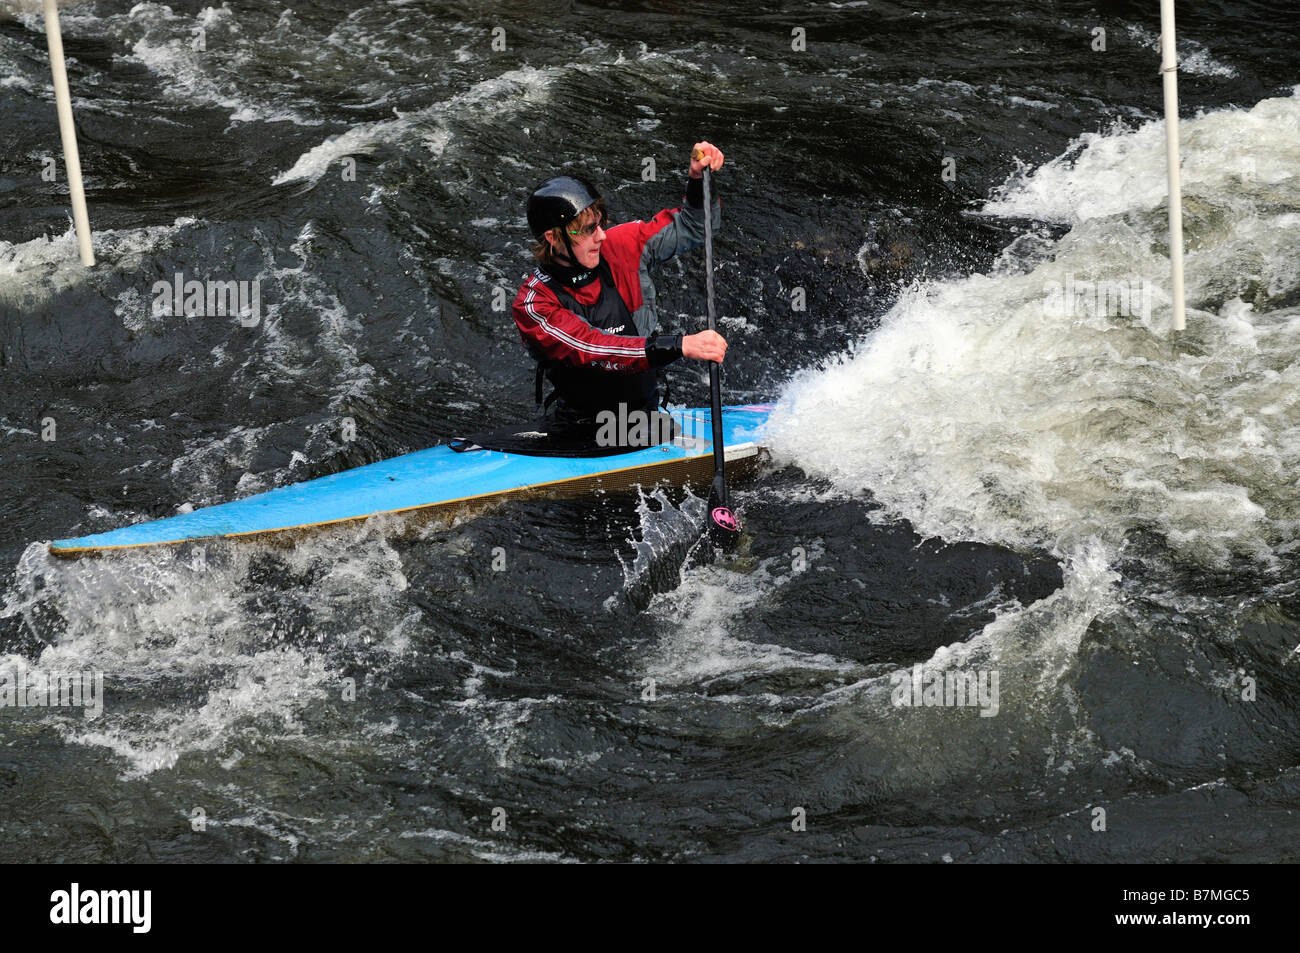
632 250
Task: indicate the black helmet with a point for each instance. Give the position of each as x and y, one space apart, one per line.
557 202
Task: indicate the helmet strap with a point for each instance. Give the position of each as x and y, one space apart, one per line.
564 233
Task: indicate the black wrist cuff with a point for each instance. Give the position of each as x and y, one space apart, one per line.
695 192
661 349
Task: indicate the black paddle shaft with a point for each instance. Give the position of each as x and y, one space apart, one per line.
723 527
715 369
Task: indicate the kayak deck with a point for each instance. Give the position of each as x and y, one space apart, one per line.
440 482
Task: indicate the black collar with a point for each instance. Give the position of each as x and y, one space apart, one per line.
572 277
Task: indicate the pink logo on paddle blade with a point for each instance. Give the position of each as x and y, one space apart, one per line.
726 519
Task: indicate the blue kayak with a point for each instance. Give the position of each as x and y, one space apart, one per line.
442 480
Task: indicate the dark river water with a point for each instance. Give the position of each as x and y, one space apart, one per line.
1093 520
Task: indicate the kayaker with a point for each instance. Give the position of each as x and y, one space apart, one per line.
587 311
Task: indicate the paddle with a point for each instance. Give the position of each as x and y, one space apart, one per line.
723 527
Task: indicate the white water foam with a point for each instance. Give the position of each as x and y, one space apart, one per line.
986 417
193 76
1235 158
504 95
193 662
703 630
32 272
1193 56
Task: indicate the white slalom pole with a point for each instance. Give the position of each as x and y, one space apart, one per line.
1169 69
71 158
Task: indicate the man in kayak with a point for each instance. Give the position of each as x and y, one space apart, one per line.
587 311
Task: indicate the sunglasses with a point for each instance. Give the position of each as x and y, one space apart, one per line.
586 230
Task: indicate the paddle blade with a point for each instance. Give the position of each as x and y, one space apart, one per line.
723 526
